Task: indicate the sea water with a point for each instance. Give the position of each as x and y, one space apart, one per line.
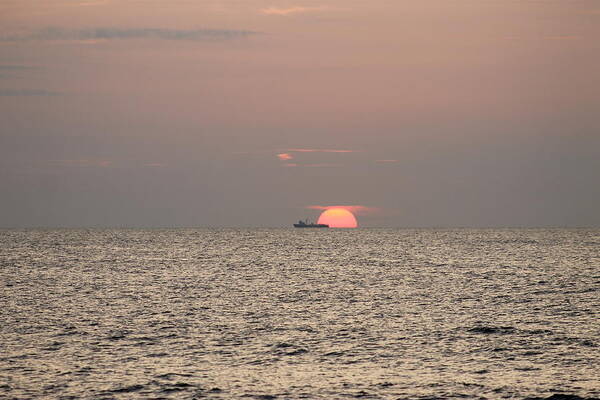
299 313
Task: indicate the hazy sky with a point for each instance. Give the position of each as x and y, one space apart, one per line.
235 113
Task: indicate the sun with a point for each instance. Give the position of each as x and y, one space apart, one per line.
338 218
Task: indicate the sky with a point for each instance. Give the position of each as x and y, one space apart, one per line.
227 113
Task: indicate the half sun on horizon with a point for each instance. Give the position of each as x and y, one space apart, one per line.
338 218
300 199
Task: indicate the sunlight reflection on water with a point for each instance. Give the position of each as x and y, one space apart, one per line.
283 313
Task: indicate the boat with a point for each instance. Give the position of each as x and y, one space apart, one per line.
306 224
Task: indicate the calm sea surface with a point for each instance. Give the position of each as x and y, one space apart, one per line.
284 313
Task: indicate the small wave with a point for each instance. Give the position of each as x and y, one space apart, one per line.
498 349
69 332
575 341
578 291
53 346
334 354
261 396
561 396
84 371
117 335
256 362
287 349
525 369
283 345
153 355
295 352
171 375
488 330
537 331
176 387
128 389
145 339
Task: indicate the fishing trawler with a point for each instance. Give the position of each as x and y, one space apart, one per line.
307 224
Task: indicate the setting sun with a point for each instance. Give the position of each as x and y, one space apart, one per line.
338 218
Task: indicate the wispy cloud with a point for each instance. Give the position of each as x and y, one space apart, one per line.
358 210
547 37
285 156
302 150
387 161
89 3
10 67
563 37
290 10
322 165
91 34
82 3
82 163
25 92
288 154
12 70
318 165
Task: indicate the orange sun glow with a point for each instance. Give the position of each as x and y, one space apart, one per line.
338 218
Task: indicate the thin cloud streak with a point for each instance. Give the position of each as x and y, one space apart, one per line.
552 37
356 209
91 34
83 3
290 10
320 165
563 37
288 155
319 151
387 161
285 156
25 92
10 67
91 3
82 163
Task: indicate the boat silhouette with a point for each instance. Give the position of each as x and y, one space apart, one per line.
307 224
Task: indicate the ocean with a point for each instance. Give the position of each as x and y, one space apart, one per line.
300 313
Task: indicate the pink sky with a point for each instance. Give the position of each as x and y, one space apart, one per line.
462 113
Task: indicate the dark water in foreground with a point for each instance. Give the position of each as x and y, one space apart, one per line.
283 313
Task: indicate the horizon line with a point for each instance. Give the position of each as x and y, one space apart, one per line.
441 227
